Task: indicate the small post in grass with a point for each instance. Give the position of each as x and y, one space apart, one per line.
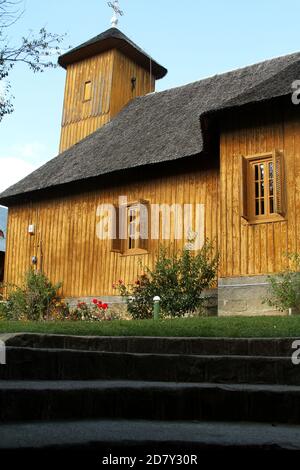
156 307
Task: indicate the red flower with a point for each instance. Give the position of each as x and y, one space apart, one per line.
105 306
95 301
120 282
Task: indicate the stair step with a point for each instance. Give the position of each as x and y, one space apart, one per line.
104 436
200 346
62 364
52 400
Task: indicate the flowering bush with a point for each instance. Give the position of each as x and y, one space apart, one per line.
38 300
94 311
179 280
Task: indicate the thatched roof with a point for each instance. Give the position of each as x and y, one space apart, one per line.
112 38
160 127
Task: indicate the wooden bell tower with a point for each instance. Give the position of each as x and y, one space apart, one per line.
103 75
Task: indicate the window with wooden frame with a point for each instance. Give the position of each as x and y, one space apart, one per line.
87 94
262 187
132 229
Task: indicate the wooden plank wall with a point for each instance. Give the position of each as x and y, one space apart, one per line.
123 71
67 227
260 248
110 73
82 118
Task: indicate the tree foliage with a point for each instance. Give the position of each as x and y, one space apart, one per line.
37 50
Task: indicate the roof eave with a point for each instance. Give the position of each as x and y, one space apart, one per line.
16 198
89 50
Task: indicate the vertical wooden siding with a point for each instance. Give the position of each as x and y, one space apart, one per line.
124 70
67 227
110 74
82 118
260 248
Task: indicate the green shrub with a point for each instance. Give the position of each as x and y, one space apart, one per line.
35 300
3 311
284 288
179 280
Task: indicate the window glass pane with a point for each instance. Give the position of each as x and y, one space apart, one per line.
271 205
132 229
262 189
257 207
131 226
271 173
262 206
256 172
256 190
262 171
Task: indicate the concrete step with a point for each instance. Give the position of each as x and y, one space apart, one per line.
46 400
63 364
196 346
104 437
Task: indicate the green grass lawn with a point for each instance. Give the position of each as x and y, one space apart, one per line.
206 327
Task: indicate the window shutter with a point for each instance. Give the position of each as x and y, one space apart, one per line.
279 188
116 244
244 192
144 225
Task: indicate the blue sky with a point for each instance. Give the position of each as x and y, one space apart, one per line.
192 39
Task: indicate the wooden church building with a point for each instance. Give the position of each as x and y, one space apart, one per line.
230 143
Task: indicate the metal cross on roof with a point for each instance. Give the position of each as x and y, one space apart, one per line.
117 12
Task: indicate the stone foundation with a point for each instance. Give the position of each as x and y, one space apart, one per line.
244 296
235 296
118 305
211 302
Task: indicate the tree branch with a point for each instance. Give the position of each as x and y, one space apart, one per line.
37 51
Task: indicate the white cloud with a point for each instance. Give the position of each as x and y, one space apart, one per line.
13 170
19 161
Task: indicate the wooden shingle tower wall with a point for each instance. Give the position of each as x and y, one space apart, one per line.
103 75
